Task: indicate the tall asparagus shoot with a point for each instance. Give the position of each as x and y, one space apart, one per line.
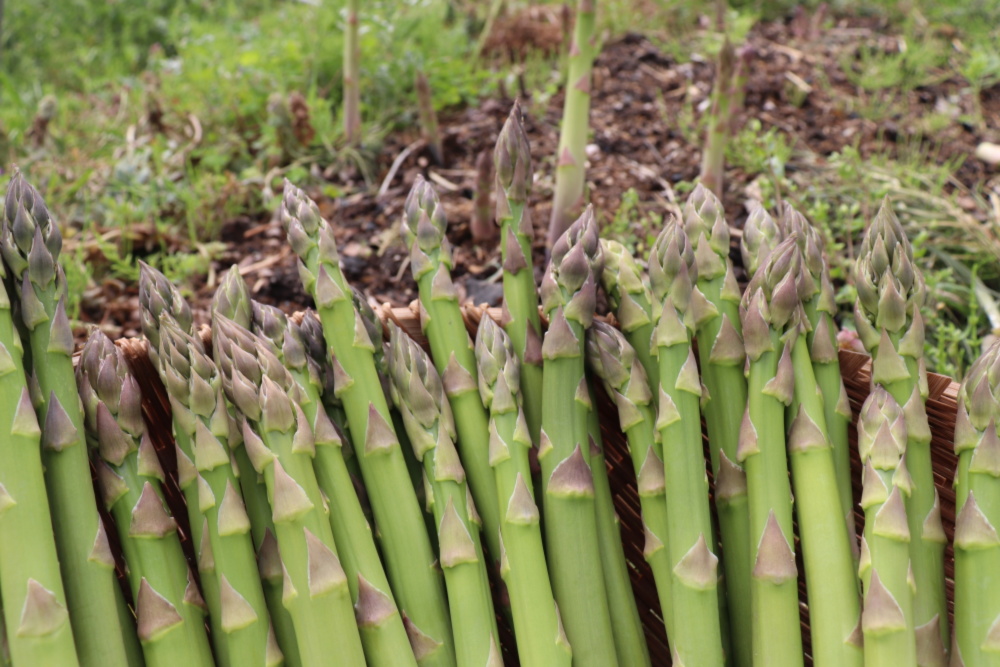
767 312
673 273
281 445
891 291
352 74
424 226
421 397
633 303
537 628
482 226
718 330
30 242
168 604
887 620
405 543
38 630
569 293
568 195
428 117
977 547
512 159
713 162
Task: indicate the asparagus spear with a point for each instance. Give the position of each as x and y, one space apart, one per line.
379 622
635 308
673 273
537 627
977 547
616 362
405 543
423 228
420 395
226 557
512 159
887 620
281 445
30 242
568 293
760 235
168 603
720 349
891 291
38 630
768 308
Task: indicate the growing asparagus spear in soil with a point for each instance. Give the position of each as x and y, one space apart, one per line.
887 620
977 547
220 525
379 622
420 395
37 623
512 159
168 604
30 242
673 272
720 348
537 628
635 309
405 544
423 227
569 292
281 445
887 316
767 311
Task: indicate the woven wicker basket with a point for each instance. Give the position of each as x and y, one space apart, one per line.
856 370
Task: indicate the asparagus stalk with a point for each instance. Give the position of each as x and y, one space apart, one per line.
420 396
891 291
760 235
512 158
635 308
226 556
30 242
616 363
568 195
768 308
423 228
718 330
673 273
379 622
887 620
977 547
719 120
232 299
405 543
38 630
352 73
537 627
428 117
168 603
568 292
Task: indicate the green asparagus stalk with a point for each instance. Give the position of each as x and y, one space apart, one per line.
405 543
720 349
630 637
616 363
226 556
512 159
168 603
423 228
768 311
891 291
379 622
537 627
30 242
719 121
820 308
569 292
568 195
635 308
281 445
38 630
977 546
887 620
420 396
760 235
673 273
232 299
352 72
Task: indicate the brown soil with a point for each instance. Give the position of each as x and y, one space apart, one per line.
643 117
